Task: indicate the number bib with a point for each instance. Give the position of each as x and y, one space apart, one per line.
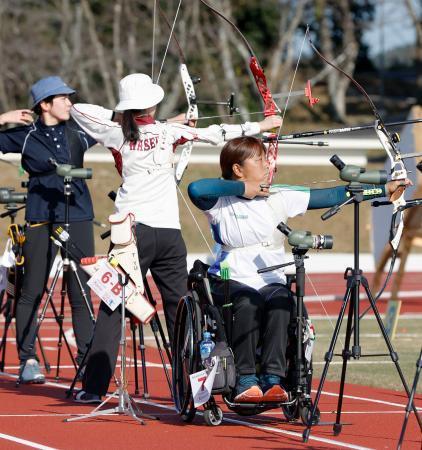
105 283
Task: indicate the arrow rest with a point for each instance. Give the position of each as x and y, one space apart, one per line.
229 103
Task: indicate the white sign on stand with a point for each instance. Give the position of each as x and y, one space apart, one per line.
105 283
202 382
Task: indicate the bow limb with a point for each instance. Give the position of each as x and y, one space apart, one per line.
389 143
189 88
191 115
270 107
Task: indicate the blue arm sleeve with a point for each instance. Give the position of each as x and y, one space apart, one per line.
326 198
205 193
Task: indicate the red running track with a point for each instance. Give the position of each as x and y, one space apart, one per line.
32 416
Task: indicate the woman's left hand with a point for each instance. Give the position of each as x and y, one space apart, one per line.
270 122
395 188
256 189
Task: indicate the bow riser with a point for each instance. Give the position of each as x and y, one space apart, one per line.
191 114
270 108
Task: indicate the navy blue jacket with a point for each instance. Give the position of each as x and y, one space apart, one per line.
38 143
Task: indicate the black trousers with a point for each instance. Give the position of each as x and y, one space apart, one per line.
163 252
39 253
260 318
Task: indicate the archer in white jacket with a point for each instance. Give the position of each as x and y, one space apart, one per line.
144 153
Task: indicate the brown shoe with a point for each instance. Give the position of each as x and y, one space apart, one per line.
275 394
251 395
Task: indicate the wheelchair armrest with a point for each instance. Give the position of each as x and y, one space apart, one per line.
290 279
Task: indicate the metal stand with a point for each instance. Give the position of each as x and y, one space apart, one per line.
303 402
411 397
126 405
355 279
68 267
160 339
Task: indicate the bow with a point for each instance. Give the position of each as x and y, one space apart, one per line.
270 107
189 88
398 169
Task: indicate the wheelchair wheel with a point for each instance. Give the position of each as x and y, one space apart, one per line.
213 419
185 355
305 413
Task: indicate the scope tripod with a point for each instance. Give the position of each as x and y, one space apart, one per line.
355 279
411 397
302 390
68 267
12 292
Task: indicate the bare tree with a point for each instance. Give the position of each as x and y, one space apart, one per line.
417 23
337 82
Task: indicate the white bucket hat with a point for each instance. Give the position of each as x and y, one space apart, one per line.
137 91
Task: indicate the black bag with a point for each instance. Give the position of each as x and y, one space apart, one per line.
225 378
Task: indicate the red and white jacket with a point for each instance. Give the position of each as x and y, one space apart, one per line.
148 187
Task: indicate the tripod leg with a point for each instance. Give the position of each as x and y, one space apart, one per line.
6 308
143 361
69 392
346 356
394 356
135 354
82 290
154 328
410 402
328 358
48 299
43 355
160 327
60 317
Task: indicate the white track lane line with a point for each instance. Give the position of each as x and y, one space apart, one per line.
237 421
271 429
31 444
252 425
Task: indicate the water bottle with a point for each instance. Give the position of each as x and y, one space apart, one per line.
205 347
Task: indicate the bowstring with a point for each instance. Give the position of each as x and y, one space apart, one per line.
314 182
293 80
178 187
196 222
153 39
168 41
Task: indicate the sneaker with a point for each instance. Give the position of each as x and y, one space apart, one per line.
250 395
86 397
30 372
247 389
275 394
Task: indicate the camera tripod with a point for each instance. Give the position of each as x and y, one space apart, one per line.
302 405
14 285
354 280
68 267
126 404
411 397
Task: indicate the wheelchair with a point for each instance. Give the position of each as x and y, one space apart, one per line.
196 313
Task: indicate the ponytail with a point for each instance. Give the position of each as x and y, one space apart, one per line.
129 126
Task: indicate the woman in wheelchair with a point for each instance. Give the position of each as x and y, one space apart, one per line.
243 212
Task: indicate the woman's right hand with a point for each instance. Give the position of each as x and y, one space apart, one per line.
19 116
270 123
255 189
